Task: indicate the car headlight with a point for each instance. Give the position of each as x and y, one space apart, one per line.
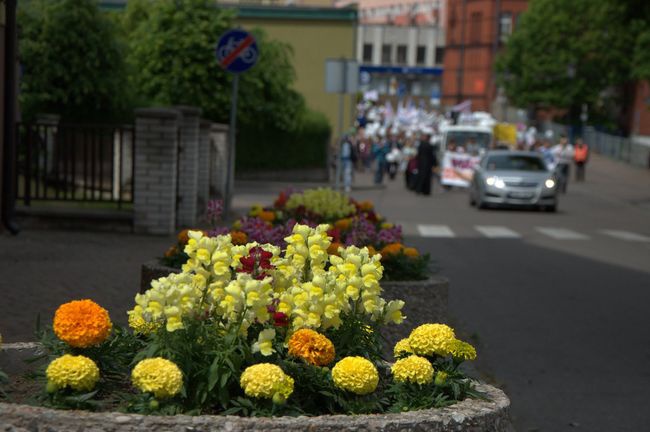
496 182
549 183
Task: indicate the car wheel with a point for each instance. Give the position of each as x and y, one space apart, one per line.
472 200
551 208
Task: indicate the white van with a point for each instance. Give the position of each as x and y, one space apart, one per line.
461 148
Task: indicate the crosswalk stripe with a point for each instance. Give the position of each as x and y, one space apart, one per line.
626 235
435 231
493 231
561 233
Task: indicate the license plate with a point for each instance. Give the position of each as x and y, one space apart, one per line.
521 195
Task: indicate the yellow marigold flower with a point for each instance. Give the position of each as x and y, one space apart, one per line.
430 339
461 350
266 215
82 323
402 347
312 347
391 249
77 372
239 238
355 374
267 381
411 252
158 376
413 369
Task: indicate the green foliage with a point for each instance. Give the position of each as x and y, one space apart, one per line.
642 56
113 358
400 267
172 62
211 362
356 336
172 48
72 61
304 146
565 53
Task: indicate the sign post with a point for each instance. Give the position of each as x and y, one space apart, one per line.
236 52
342 77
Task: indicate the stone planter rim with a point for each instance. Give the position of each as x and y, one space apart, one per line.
449 417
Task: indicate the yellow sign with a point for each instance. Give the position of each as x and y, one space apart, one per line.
505 133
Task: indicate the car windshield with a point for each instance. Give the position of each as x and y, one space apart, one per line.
470 142
515 163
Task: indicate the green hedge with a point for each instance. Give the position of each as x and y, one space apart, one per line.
275 149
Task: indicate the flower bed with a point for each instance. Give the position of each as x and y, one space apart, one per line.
351 223
254 330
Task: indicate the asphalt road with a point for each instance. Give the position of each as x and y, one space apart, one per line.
559 304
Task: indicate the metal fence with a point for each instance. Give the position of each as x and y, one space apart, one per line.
73 162
616 147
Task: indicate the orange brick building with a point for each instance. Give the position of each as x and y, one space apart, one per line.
475 32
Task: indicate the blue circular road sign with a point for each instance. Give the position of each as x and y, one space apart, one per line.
237 51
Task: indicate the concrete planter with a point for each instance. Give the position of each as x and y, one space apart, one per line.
152 270
426 302
468 415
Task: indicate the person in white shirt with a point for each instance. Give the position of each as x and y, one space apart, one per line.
563 154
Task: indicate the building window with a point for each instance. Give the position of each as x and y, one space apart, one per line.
401 54
420 54
367 53
440 55
385 54
505 26
476 19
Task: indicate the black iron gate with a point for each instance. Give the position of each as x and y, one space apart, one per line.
73 162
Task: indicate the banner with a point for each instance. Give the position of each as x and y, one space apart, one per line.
458 169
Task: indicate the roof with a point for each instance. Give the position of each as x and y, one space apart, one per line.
254 11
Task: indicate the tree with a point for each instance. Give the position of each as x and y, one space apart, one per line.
71 61
172 59
566 53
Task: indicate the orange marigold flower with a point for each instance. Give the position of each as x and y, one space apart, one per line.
343 224
267 215
312 347
411 252
333 248
238 238
366 206
82 323
183 237
391 249
171 252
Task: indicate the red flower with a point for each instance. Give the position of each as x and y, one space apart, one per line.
280 319
281 200
257 260
335 233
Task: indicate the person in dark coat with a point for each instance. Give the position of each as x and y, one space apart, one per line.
427 160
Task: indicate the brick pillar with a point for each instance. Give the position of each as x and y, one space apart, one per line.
218 160
188 160
154 203
203 189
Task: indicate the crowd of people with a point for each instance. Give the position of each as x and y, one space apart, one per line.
406 143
